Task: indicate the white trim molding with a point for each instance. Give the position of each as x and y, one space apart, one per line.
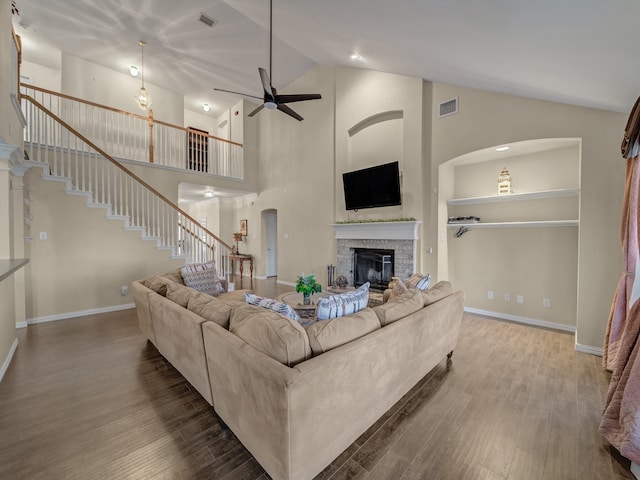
80 313
7 361
597 351
525 320
377 230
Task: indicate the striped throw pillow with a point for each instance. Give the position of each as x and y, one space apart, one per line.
343 304
279 307
419 281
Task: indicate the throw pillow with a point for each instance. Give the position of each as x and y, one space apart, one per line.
203 277
399 307
280 307
329 334
437 292
210 309
343 304
158 284
419 281
274 335
398 288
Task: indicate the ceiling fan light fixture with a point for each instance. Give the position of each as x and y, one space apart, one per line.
270 105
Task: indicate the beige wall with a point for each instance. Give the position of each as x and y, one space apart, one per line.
487 119
86 258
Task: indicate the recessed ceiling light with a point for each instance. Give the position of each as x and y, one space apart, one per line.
206 107
502 149
208 194
133 70
355 56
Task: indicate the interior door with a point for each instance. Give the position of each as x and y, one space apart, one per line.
271 236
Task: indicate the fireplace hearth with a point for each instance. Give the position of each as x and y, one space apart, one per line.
374 266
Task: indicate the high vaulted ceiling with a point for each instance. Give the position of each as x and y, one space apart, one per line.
581 52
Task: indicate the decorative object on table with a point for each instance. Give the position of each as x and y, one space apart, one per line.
243 227
341 281
504 182
142 99
306 284
237 237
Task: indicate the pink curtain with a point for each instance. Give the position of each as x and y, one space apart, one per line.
620 423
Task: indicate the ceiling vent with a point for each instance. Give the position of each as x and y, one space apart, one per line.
208 21
448 108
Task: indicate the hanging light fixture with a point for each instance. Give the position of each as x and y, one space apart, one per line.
142 98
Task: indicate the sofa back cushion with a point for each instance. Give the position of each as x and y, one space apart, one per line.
179 293
157 283
328 334
210 308
437 292
398 307
343 304
279 337
174 275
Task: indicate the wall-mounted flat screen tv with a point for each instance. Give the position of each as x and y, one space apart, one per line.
372 187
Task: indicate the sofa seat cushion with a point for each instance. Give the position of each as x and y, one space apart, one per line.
400 306
210 308
274 335
437 292
203 277
235 296
343 304
328 334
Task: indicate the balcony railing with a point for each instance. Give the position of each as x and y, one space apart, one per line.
136 137
90 171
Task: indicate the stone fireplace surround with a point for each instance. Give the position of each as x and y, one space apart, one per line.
401 237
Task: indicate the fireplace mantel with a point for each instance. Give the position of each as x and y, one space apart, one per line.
377 230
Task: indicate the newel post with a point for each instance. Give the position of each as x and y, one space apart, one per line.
150 136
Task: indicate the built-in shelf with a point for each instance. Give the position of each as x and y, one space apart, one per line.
540 223
9 266
513 197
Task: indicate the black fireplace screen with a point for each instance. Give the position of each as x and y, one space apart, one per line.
374 266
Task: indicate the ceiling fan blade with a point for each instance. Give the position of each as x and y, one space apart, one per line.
300 97
283 108
237 93
266 83
260 107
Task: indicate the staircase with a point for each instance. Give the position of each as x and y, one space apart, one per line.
66 155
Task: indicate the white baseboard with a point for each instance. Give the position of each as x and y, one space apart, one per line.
289 284
635 469
525 320
80 313
597 351
7 361
21 324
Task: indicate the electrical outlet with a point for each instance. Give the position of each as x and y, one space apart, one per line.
546 302
507 297
43 235
490 295
124 290
520 298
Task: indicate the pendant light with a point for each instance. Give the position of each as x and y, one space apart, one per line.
142 98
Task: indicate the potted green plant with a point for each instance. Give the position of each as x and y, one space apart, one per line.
306 284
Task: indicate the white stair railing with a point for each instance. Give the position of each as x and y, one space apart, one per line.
143 139
91 172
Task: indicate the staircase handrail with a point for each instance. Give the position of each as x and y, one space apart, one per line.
123 168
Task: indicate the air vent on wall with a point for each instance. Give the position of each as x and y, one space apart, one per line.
210 22
448 108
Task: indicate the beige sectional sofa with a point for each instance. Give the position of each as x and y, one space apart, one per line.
298 397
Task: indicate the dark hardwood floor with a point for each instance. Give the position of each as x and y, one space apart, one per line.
90 398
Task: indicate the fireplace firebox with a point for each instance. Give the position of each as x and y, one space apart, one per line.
375 266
